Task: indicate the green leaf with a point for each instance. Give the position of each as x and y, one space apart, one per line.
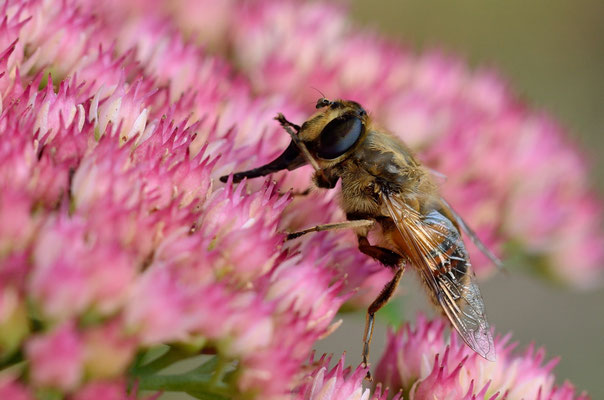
48 394
169 357
203 382
208 367
202 395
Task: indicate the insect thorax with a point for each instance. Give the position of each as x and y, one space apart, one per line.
380 165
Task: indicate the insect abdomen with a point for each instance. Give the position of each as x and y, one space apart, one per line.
450 253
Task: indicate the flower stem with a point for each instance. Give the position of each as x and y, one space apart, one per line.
219 371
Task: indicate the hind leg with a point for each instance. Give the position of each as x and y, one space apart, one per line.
378 303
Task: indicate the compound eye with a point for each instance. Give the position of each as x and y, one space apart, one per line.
338 136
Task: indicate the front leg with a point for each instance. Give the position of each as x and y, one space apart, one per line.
363 223
293 131
284 122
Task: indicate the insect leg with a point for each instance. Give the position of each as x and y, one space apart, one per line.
378 303
287 126
284 122
386 256
362 223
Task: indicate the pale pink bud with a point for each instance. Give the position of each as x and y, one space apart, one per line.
56 358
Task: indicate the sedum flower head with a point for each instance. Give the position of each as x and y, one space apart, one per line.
337 383
116 232
421 362
118 243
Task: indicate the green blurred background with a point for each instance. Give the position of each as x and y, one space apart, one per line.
552 54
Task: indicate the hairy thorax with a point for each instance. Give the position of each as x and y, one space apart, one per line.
382 166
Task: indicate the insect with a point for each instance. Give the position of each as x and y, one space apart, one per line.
384 187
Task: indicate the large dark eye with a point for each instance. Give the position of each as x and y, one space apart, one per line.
338 136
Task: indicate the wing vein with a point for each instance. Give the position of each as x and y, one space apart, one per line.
434 246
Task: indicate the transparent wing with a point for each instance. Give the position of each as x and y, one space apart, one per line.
474 237
434 246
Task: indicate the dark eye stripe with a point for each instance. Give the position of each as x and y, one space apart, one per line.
338 136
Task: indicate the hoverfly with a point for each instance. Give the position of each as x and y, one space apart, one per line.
384 184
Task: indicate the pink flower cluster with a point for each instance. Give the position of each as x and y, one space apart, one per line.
339 383
423 365
116 237
497 154
465 124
